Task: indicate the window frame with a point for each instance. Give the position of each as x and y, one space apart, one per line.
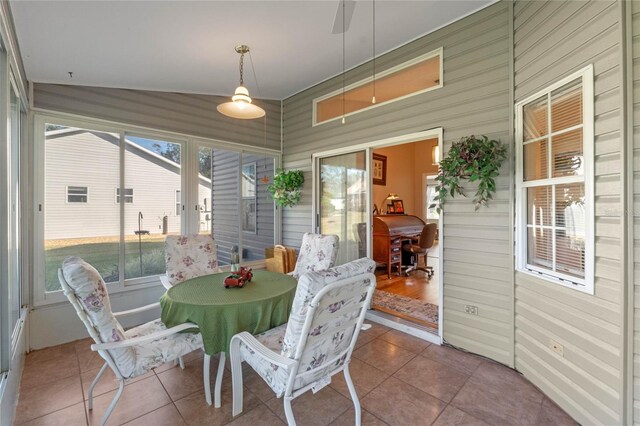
432 54
254 164
189 216
586 284
80 195
117 196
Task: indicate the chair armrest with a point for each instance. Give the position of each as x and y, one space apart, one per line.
142 339
137 310
261 350
164 279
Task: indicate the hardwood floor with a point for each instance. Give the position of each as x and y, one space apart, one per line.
416 286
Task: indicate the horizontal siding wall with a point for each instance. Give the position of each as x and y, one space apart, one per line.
635 47
476 100
189 114
553 39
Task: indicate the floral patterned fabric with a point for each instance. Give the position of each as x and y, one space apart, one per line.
331 332
91 292
308 286
153 354
190 256
317 253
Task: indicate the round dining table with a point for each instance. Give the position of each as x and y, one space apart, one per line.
220 313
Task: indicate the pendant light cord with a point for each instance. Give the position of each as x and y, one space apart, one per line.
373 100
343 57
241 69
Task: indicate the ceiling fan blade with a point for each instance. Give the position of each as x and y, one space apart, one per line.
349 7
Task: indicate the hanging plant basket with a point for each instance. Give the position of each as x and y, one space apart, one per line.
286 187
472 159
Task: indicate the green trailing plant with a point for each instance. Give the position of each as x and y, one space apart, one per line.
472 159
286 187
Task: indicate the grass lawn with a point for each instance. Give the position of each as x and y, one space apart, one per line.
102 253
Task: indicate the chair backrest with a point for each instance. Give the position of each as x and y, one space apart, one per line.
428 235
317 253
190 256
327 313
87 292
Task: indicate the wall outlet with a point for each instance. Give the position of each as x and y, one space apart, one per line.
556 347
471 310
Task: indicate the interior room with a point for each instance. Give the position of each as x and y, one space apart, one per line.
332 212
404 205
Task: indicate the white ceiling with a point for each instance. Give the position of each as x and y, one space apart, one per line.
187 46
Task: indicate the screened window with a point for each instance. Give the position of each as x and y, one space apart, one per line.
77 194
555 180
249 197
128 195
410 78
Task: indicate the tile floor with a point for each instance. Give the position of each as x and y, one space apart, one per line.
401 380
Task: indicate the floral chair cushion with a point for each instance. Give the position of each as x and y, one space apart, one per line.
317 253
308 286
91 292
153 354
331 332
190 256
273 375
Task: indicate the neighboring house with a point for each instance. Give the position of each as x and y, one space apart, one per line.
82 200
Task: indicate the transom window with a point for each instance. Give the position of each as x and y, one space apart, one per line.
555 182
128 195
410 78
77 194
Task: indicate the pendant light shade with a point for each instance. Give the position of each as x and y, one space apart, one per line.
240 105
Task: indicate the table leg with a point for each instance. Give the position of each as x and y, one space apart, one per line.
207 382
219 381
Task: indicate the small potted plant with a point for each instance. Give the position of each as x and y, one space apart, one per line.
472 159
286 187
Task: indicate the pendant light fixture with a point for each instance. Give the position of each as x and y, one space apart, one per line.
240 105
373 98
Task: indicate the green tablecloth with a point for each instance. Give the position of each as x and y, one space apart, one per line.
261 304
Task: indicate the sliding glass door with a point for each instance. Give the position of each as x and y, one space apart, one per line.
342 202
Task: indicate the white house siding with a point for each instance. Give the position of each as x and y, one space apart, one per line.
91 159
553 39
475 99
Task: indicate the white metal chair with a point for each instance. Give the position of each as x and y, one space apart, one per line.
317 253
128 353
327 313
188 256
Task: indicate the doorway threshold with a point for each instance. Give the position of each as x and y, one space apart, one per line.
422 332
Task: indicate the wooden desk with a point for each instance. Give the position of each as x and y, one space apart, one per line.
388 233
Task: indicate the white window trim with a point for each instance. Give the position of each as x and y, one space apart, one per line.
177 203
254 198
77 202
125 195
414 61
585 285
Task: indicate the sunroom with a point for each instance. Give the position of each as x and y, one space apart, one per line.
319 212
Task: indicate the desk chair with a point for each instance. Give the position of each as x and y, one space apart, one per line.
427 238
